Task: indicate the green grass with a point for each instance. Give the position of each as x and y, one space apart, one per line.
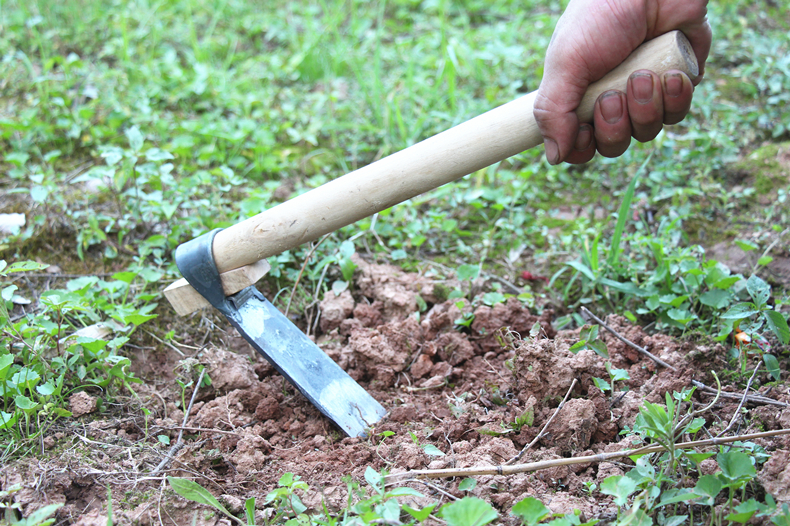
127 128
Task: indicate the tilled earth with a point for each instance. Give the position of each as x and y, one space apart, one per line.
478 395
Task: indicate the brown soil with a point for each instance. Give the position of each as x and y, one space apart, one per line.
462 391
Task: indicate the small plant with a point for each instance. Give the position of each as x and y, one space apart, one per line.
588 339
12 515
748 319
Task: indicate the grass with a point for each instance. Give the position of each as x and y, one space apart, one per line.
127 128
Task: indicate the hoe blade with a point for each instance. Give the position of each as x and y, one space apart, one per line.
328 387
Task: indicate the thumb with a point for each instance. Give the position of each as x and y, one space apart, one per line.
555 113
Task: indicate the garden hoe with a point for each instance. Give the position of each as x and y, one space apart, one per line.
222 266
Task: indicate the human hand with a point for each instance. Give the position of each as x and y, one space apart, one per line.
591 38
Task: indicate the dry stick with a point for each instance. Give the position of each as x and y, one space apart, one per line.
743 399
301 271
199 430
543 431
180 442
547 464
617 335
756 399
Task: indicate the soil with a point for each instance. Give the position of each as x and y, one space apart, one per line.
478 394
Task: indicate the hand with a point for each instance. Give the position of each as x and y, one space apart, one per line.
591 38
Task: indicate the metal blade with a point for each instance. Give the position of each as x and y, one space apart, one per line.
305 365
328 387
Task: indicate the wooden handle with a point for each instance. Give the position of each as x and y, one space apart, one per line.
450 155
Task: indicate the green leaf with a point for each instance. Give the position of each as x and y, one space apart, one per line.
467 272
740 311
135 138
746 246
619 487
581 267
726 283
135 319
45 389
403 492
618 375
744 511
419 515
39 517
698 457
778 325
602 384
716 298
492 298
249 510
758 289
468 484
681 316
675 520
193 491
339 286
432 450
468 511
628 288
578 346
5 365
374 478
636 517
7 420
622 216
155 154
772 364
126 277
599 347
736 466
531 511
707 488
672 496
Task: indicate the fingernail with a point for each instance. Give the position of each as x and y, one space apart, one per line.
673 83
552 151
642 86
583 138
611 106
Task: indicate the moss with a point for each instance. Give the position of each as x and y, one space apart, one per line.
768 167
440 292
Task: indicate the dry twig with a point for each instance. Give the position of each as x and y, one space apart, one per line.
547 464
755 399
599 321
545 427
180 442
740 405
301 271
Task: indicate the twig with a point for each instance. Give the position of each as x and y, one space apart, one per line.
546 426
617 335
756 399
198 430
301 271
432 486
502 281
180 442
743 399
547 464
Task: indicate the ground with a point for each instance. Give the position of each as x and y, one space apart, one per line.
478 395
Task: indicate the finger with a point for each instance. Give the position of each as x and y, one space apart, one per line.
557 119
611 123
677 92
645 105
584 146
700 39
